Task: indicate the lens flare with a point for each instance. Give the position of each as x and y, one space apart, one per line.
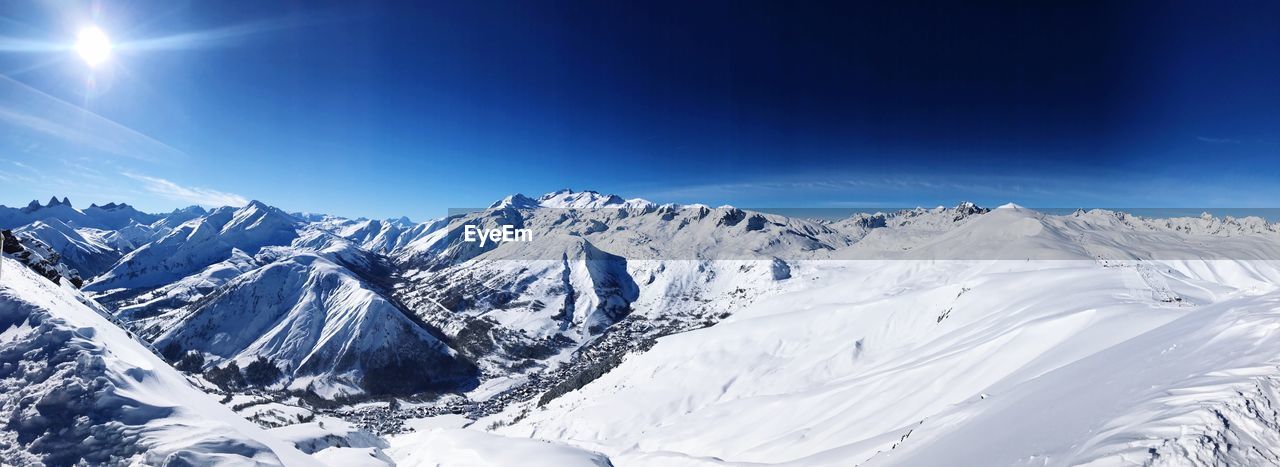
93 46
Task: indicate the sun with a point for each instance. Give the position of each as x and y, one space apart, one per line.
93 46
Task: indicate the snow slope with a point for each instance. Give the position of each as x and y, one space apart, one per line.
1070 357
1196 391
453 447
184 292
77 389
336 442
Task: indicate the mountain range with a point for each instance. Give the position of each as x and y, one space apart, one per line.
637 333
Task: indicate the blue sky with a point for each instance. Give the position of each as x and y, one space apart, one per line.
384 109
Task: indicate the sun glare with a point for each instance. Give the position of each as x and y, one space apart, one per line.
93 46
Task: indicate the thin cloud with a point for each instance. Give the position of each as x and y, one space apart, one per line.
866 189
18 44
1206 139
870 182
26 110
202 39
196 195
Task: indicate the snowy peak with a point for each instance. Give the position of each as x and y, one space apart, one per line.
190 211
1005 233
108 216
382 237
1012 232
35 205
326 330
653 232
517 201
119 215
88 251
568 199
967 208
939 219
198 243
259 217
55 209
1204 224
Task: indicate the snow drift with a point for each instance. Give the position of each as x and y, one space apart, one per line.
76 389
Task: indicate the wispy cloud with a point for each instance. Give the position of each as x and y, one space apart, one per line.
18 44
903 190
868 183
27 112
1206 139
226 35
196 195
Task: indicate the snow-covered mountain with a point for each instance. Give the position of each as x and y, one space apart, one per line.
987 357
118 215
323 327
196 244
141 308
601 265
381 236
316 309
569 199
646 332
108 216
54 209
89 251
508 306
77 390
518 308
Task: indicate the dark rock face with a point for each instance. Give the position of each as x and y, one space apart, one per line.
780 270
39 257
731 217
967 209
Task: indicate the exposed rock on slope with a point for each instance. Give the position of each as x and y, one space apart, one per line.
86 250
